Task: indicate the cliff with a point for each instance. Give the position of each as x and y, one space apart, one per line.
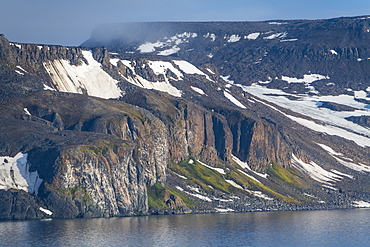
196 117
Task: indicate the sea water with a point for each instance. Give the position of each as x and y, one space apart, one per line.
298 228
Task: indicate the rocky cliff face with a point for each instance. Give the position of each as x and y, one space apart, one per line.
215 117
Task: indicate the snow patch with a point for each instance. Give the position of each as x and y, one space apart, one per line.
250 176
26 111
335 122
277 23
20 68
180 176
288 40
306 78
361 204
198 90
49 88
227 79
46 211
170 43
224 210
334 52
316 172
158 67
260 195
219 170
189 68
234 184
241 163
252 36
329 150
212 36
161 68
175 49
204 198
357 167
234 100
15 174
19 72
276 35
85 78
210 71
149 47
179 188
233 38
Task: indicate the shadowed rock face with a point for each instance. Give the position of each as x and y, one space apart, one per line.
185 134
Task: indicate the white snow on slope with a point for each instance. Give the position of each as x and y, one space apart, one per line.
173 50
252 36
357 167
361 204
250 176
17 71
149 47
260 195
26 111
49 88
210 71
224 210
85 78
204 198
307 79
227 79
277 23
198 90
288 40
15 174
276 35
46 211
233 38
241 163
161 68
20 70
219 170
162 86
170 43
158 67
334 121
233 100
329 149
316 172
189 68
234 184
246 166
212 36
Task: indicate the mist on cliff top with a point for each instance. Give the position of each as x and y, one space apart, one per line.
71 22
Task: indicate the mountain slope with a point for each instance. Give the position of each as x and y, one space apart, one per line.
187 117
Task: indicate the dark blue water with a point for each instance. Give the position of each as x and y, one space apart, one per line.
302 228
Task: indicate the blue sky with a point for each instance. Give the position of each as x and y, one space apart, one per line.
70 22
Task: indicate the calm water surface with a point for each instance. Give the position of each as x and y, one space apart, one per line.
302 228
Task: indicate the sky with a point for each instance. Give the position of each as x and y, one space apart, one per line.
70 22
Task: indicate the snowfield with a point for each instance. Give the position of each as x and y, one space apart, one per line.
170 43
233 100
329 121
317 173
15 174
85 78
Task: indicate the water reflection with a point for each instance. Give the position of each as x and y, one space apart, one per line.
305 228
